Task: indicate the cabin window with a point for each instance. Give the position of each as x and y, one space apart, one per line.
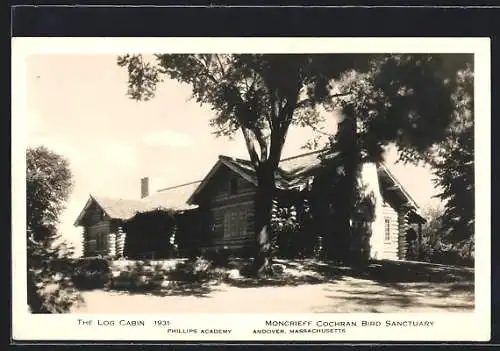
235 222
101 242
92 247
233 186
387 233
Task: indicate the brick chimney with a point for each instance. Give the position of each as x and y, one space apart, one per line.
144 187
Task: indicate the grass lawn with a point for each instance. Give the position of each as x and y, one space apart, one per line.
306 287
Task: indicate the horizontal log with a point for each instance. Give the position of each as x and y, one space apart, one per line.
242 237
230 203
232 241
222 246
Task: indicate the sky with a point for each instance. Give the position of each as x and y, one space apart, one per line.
77 107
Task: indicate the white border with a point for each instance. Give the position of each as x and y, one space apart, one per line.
474 326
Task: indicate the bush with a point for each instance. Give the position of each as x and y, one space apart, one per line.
247 270
436 248
49 285
197 270
219 257
91 273
450 258
191 271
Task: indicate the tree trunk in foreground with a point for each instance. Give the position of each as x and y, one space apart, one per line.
347 145
263 209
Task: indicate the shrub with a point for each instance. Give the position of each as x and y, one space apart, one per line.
201 265
219 257
91 273
437 249
277 269
49 286
198 270
247 270
450 257
191 271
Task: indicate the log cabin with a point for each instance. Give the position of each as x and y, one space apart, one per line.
220 208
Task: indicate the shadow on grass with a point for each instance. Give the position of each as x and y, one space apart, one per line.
389 286
394 271
383 299
197 289
278 280
399 284
166 278
389 273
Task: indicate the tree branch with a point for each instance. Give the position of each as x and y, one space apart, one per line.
309 102
205 68
262 144
319 131
274 111
277 141
220 64
254 158
285 118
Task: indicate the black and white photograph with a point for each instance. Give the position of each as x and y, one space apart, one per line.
263 180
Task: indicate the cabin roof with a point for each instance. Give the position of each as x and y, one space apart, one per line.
174 198
169 198
118 208
293 172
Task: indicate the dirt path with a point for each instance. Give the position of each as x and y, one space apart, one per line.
346 295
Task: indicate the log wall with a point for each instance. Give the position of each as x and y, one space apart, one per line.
226 207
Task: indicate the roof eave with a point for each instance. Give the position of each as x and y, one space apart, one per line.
398 186
85 208
82 213
220 162
235 169
205 180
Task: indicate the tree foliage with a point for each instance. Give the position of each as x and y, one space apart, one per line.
436 246
48 185
403 100
453 163
159 239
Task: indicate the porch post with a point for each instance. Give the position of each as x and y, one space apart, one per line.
112 245
402 228
120 242
85 242
419 241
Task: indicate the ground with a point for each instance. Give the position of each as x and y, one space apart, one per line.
306 287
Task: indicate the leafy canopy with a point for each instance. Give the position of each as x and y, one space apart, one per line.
453 164
48 185
402 99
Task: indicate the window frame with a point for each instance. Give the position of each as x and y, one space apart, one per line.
102 242
235 222
387 229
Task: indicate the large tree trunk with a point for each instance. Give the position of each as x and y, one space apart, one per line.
263 208
344 210
348 146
